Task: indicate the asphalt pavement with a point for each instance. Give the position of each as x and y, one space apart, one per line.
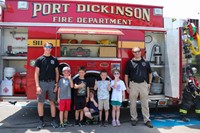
21 117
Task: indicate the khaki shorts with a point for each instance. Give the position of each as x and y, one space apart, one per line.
103 104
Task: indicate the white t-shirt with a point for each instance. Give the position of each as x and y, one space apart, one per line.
117 92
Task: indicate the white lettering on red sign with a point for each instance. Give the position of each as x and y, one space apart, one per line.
45 9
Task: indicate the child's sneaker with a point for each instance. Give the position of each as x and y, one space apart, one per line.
114 124
76 123
94 121
81 123
118 123
62 126
67 123
106 123
101 123
90 121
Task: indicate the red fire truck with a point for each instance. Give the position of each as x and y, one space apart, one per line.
98 35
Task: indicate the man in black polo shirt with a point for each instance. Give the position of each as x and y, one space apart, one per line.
138 79
46 79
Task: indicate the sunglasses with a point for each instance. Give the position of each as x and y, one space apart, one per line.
116 73
137 51
50 47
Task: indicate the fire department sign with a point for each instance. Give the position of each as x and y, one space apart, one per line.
128 12
87 13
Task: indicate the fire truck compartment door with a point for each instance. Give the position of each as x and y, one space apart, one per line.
172 64
89 31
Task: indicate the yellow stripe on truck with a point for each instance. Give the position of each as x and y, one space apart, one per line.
41 42
130 44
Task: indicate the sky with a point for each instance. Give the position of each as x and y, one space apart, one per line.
172 8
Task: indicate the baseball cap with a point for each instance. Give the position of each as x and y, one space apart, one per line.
66 68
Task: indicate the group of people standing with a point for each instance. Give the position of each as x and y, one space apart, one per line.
138 79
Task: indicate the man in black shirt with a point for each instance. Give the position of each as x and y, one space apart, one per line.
46 79
138 79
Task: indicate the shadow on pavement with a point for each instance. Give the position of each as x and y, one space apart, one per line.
23 117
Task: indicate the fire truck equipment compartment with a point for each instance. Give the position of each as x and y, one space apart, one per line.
107 52
79 52
89 31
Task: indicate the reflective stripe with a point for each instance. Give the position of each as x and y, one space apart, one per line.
197 111
183 111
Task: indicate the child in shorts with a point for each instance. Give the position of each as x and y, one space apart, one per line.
81 95
117 96
64 96
103 87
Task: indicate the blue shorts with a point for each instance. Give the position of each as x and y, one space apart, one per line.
116 103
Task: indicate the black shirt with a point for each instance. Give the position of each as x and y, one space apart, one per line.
138 71
47 65
80 92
